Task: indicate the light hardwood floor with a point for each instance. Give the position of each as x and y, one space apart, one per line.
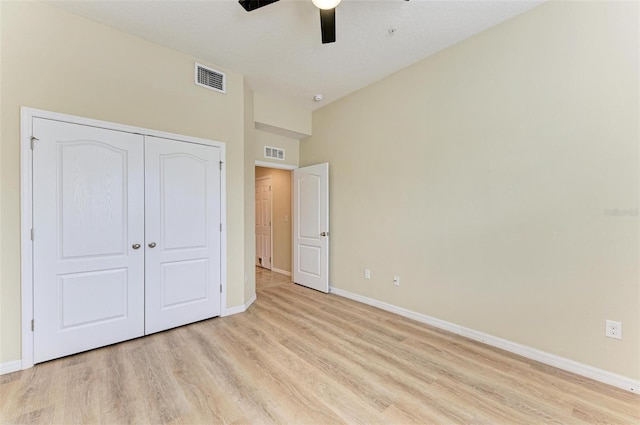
300 356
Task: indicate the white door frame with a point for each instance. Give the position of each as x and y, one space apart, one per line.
266 164
26 203
270 215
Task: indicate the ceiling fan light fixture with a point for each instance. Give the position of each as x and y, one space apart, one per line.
326 4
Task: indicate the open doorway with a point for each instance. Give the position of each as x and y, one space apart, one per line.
273 219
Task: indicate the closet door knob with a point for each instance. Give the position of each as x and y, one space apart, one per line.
135 246
152 245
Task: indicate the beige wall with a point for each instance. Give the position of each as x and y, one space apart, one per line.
7 331
249 196
281 115
281 218
262 172
56 61
487 177
290 145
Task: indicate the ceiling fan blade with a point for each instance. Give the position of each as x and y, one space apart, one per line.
328 25
250 5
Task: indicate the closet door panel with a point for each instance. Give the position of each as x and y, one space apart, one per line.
182 211
88 192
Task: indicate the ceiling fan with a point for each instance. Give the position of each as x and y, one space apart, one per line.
327 15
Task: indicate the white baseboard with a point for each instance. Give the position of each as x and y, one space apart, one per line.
9 367
284 272
240 308
581 369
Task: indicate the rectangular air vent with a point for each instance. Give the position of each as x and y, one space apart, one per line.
210 78
274 153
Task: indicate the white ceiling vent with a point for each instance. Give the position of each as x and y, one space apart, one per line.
274 153
210 78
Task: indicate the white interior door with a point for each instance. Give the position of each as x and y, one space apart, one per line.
183 229
263 222
88 223
311 226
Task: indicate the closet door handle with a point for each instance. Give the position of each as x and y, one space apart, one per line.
152 245
135 246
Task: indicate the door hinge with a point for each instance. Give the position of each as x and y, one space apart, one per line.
32 325
220 165
33 141
221 227
221 289
269 188
32 233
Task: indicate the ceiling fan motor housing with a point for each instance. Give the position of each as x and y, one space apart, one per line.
327 15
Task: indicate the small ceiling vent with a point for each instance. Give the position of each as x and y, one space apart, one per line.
210 78
274 153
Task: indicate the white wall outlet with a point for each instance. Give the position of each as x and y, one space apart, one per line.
367 274
614 329
396 280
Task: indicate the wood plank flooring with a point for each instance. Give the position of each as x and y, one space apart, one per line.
298 356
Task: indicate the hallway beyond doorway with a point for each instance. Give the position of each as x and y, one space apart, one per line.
273 224
268 279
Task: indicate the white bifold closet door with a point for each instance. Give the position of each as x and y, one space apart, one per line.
183 233
88 212
126 236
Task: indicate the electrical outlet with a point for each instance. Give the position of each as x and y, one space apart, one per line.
614 329
396 280
367 274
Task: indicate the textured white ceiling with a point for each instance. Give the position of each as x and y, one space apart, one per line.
278 47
